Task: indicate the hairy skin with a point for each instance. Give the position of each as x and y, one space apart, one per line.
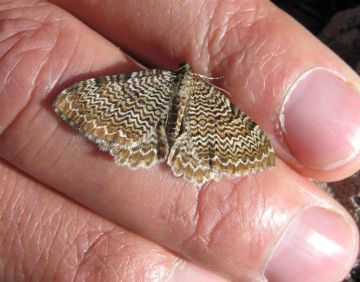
229 228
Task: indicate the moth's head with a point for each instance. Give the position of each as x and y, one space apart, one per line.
184 67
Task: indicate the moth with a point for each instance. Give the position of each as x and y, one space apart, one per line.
152 116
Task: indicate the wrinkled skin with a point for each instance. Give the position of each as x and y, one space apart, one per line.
67 212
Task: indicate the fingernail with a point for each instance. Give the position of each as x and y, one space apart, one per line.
318 246
184 271
320 119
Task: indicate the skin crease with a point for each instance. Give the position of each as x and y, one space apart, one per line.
44 49
58 228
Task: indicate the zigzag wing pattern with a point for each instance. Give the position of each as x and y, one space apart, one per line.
123 114
217 139
136 118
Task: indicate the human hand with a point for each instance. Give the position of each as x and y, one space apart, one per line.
124 222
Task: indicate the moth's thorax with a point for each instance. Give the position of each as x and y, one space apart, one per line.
179 101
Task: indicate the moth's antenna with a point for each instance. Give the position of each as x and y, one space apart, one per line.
202 77
209 77
223 90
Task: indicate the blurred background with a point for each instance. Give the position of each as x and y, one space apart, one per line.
335 22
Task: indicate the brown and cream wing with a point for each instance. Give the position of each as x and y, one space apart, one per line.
217 139
123 114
